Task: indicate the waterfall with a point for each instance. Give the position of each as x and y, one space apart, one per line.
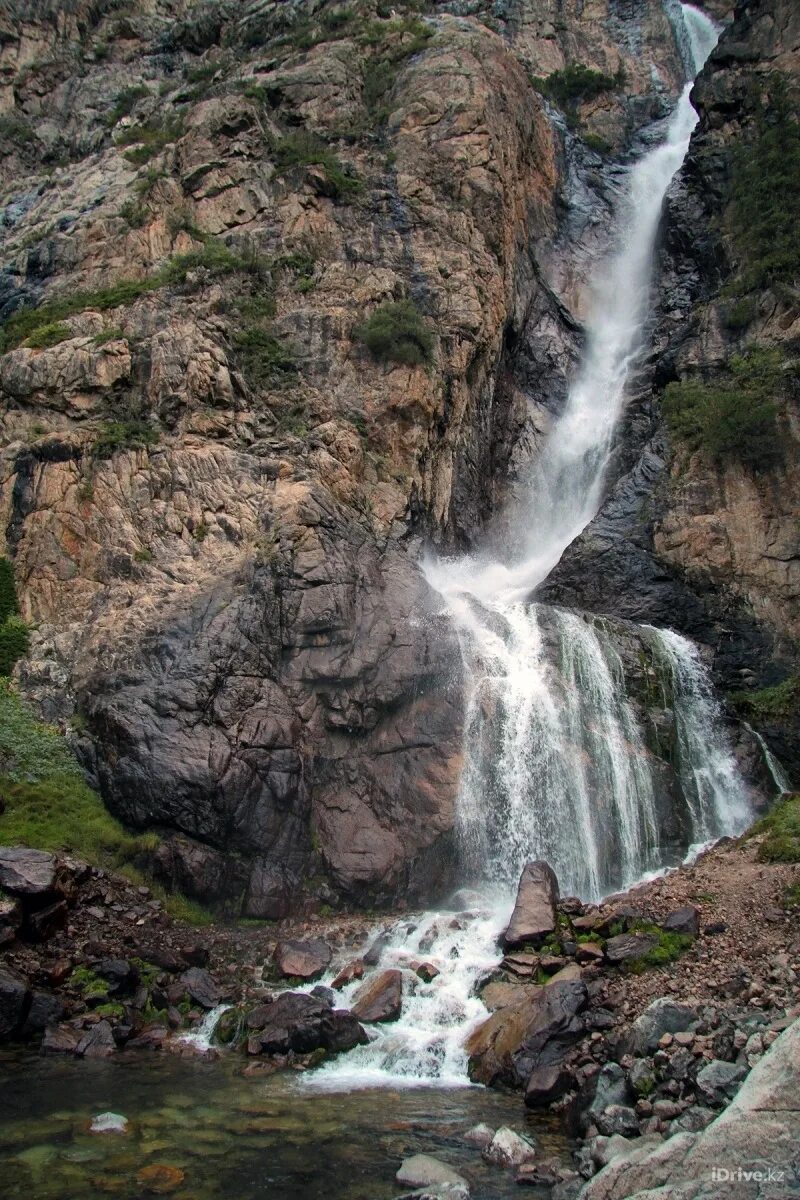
556 757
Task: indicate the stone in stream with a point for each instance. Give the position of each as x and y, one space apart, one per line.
350 971
302 1023
380 998
109 1122
424 1171
480 1136
535 914
302 959
508 1149
97 1042
546 1084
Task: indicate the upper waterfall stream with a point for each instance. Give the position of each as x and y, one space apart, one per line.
557 760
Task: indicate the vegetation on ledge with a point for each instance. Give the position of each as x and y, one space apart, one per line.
733 417
576 84
782 828
396 332
14 635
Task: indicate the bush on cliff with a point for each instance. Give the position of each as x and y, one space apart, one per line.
764 209
14 634
576 84
396 332
734 417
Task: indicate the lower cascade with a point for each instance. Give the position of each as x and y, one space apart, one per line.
592 744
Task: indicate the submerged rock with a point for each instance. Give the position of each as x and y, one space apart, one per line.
535 912
508 1149
109 1122
422 1171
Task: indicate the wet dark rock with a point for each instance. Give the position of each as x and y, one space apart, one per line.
326 994
61 1039
118 973
628 947
618 1119
302 1023
97 1042
195 955
380 998
546 1084
683 920
376 949
201 987
13 1004
45 1010
662 1016
302 960
535 914
259 1016
719 1081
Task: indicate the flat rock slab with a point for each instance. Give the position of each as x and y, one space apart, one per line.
627 947
201 987
535 913
302 960
380 998
25 872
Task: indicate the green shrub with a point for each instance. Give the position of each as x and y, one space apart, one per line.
396 332
769 704
577 83
135 213
123 435
735 417
303 149
14 641
763 214
124 103
598 143
150 138
9 605
263 358
15 130
782 828
48 335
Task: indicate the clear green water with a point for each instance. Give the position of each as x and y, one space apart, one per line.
233 1136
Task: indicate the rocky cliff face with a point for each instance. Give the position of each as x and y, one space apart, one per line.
216 495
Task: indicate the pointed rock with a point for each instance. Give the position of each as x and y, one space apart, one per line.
535 912
380 998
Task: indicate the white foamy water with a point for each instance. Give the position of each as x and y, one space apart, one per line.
201 1039
556 763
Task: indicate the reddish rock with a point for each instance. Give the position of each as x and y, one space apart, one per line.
425 970
535 913
302 960
589 952
353 970
380 998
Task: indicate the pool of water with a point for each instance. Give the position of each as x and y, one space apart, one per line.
229 1135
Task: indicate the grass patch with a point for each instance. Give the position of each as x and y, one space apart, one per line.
733 418
304 149
396 332
212 257
763 213
668 948
262 356
771 703
782 828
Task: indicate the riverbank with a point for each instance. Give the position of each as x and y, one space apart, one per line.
638 1018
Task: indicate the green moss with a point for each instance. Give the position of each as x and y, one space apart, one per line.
667 949
598 143
734 417
111 1009
303 149
763 215
14 633
88 983
782 829
396 332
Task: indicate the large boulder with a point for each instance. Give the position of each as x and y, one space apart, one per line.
535 914
201 987
380 998
302 1023
520 1038
302 960
628 947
